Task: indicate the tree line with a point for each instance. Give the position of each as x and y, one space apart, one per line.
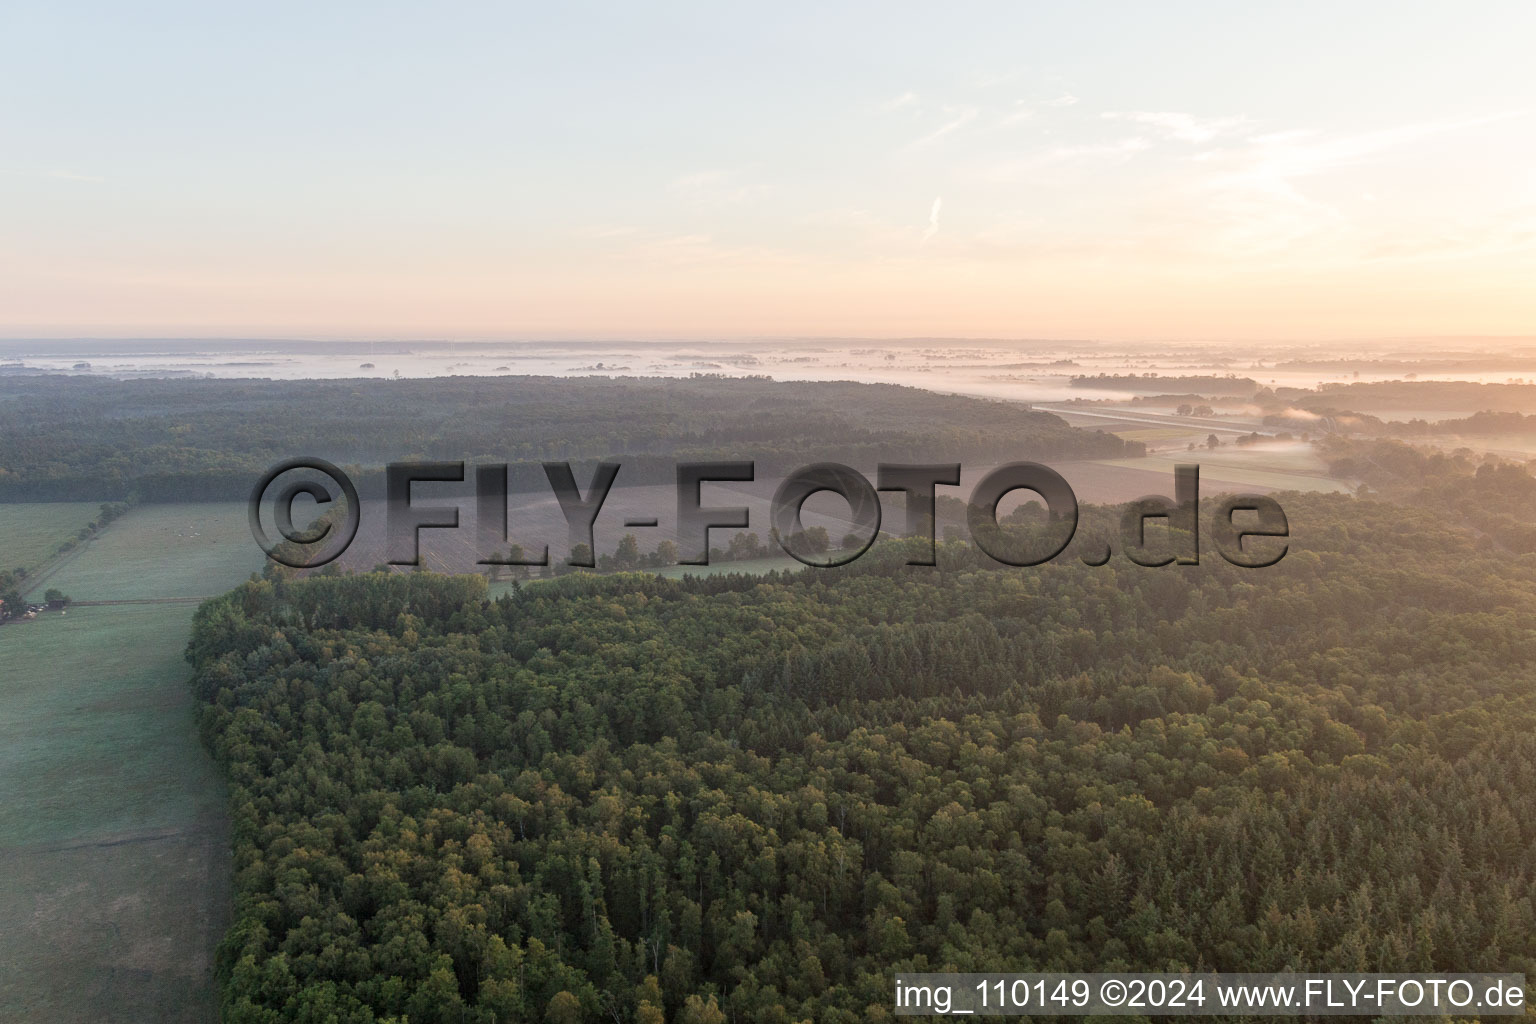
68 438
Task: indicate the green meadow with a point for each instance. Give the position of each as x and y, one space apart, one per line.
114 864
114 874
1274 469
1152 435
157 551
31 532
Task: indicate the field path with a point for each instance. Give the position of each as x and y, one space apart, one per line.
138 600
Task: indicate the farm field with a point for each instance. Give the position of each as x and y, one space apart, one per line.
1153 435
33 531
1233 467
158 551
114 880
1278 456
114 869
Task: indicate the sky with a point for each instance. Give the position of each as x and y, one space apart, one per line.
1136 171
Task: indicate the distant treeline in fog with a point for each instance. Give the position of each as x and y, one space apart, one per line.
74 438
1478 424
1201 384
1412 395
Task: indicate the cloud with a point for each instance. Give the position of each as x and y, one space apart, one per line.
958 118
715 188
1511 233
1021 112
1181 127
933 219
1091 153
1119 148
990 116
1297 154
1255 185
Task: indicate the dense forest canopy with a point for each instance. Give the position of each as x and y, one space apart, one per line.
77 438
1493 496
754 799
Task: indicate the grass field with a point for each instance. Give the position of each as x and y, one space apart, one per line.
1282 468
1276 456
114 879
155 551
31 532
114 869
1151 435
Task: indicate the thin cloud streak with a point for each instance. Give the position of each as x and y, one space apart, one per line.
957 121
